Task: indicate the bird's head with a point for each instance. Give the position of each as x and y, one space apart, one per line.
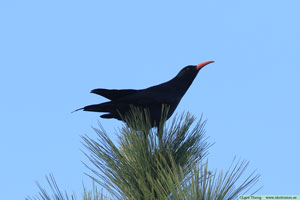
191 71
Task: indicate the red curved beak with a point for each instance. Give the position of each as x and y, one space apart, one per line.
199 66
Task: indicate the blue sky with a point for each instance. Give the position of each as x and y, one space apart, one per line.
52 53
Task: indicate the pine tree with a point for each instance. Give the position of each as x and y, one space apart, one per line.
162 163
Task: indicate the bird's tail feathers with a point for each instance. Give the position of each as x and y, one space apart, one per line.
77 110
108 116
113 94
103 107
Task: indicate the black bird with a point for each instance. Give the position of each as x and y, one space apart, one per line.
152 98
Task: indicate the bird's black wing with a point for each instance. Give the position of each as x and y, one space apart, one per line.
151 96
113 94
